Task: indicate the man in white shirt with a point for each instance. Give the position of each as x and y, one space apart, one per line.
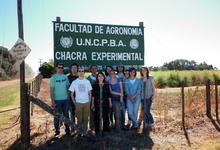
82 89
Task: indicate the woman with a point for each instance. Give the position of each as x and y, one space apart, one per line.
101 86
116 91
133 91
108 69
148 89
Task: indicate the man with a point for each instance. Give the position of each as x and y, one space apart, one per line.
82 89
73 76
92 79
59 84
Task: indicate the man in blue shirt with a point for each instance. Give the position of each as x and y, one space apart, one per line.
59 84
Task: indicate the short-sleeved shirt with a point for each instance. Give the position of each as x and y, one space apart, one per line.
59 83
81 89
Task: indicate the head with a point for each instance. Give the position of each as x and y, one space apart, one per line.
112 74
59 68
120 68
132 72
108 69
144 72
126 73
100 77
81 72
74 68
93 69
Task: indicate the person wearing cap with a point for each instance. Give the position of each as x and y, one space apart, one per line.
120 71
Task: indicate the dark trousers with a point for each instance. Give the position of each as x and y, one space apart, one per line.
105 117
62 107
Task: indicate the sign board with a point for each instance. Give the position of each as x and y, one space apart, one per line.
98 44
20 50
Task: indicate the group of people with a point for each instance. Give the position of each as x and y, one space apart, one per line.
112 94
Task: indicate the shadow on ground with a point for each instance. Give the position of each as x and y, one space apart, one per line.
124 140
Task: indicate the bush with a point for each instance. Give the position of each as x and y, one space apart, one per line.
185 81
47 70
174 80
161 83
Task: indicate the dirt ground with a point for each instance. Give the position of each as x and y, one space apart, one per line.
200 132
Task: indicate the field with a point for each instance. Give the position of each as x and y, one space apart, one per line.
200 132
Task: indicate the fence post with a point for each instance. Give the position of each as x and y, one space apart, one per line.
32 93
208 102
25 118
183 105
216 100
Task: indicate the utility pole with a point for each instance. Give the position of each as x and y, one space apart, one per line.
24 102
40 61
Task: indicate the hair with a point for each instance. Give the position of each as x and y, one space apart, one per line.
90 67
59 64
133 69
146 73
81 67
97 80
125 71
120 66
106 73
74 64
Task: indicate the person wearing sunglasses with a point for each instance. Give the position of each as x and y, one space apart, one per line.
82 89
59 84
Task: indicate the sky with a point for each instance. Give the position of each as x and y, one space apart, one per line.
174 29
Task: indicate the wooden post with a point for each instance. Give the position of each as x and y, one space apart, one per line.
24 103
100 109
25 118
183 105
32 93
216 100
208 102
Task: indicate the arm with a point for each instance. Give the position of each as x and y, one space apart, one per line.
121 96
72 97
153 87
52 97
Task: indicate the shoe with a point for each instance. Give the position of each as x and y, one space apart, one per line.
68 134
57 133
134 128
151 125
124 128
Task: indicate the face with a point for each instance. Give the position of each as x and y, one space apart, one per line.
74 69
108 69
100 78
112 74
120 68
93 69
132 73
144 71
81 72
126 74
60 69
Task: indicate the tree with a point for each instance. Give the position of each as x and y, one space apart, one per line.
47 69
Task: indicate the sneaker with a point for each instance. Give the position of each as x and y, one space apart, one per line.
151 125
57 133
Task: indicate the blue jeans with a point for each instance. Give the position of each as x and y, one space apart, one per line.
133 111
62 107
149 117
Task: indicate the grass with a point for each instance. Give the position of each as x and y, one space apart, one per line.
9 96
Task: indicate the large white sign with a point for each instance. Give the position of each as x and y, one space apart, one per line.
20 50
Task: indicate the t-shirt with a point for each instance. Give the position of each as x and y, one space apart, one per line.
59 83
81 89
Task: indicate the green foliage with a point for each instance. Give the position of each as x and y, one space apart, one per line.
185 81
174 80
47 69
160 82
6 64
183 64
